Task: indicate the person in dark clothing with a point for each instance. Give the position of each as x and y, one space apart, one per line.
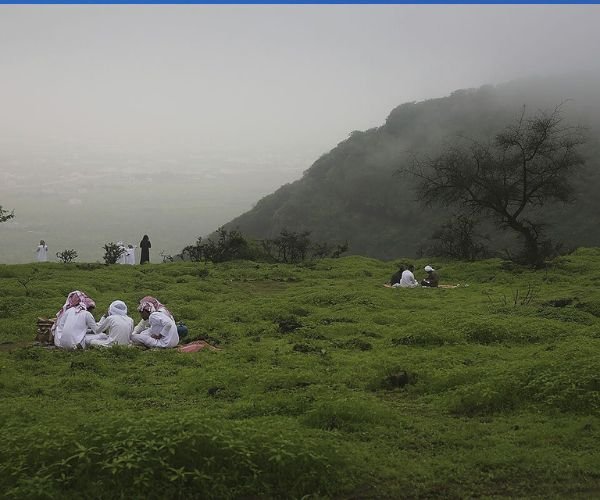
397 276
432 280
145 245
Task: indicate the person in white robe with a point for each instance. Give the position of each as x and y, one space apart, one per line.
122 258
130 255
150 301
161 330
42 252
73 321
408 278
118 325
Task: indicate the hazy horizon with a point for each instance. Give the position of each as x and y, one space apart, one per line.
119 121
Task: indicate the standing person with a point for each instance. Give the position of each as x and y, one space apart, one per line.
432 279
42 252
145 245
121 259
161 331
118 324
74 320
130 255
408 278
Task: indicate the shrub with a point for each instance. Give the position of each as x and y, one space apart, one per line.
112 252
66 256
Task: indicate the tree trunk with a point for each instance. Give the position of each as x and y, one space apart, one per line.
531 254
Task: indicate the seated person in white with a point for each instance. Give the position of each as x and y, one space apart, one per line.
118 324
408 278
144 323
161 331
73 321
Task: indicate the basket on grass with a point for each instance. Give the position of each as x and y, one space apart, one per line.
44 331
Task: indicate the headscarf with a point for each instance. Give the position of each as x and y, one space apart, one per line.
151 305
118 308
75 299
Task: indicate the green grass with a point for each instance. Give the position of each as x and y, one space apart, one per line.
328 384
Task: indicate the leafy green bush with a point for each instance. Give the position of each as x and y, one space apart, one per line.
166 457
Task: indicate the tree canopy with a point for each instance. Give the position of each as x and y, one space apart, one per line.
526 165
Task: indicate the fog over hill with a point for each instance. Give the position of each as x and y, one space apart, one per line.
354 191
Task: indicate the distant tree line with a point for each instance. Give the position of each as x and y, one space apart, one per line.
288 247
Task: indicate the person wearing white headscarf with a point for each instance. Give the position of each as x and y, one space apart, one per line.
152 304
122 258
73 320
42 252
130 255
161 331
118 324
408 278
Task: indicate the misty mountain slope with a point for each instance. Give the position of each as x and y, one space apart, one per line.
354 192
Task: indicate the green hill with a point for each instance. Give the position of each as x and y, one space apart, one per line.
328 385
353 192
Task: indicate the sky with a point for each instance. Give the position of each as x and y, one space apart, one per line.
173 119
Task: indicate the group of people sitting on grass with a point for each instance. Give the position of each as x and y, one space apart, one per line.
404 278
76 328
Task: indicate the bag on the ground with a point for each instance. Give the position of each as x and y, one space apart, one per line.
182 330
44 331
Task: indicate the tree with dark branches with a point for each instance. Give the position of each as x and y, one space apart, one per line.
525 166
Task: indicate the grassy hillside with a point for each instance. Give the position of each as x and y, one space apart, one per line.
354 192
327 384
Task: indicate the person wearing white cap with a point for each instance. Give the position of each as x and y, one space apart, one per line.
118 325
432 280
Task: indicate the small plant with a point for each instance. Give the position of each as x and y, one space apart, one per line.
166 257
518 298
24 282
112 253
5 214
66 256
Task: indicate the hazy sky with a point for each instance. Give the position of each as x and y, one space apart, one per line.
258 82
264 78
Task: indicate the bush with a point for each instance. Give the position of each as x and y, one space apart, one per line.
112 253
169 459
66 256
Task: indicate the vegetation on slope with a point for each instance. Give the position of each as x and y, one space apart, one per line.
353 193
327 384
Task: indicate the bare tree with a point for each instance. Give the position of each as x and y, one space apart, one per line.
526 165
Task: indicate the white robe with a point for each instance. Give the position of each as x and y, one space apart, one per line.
71 328
119 331
122 258
130 256
162 332
408 280
42 253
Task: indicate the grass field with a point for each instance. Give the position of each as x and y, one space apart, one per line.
327 384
